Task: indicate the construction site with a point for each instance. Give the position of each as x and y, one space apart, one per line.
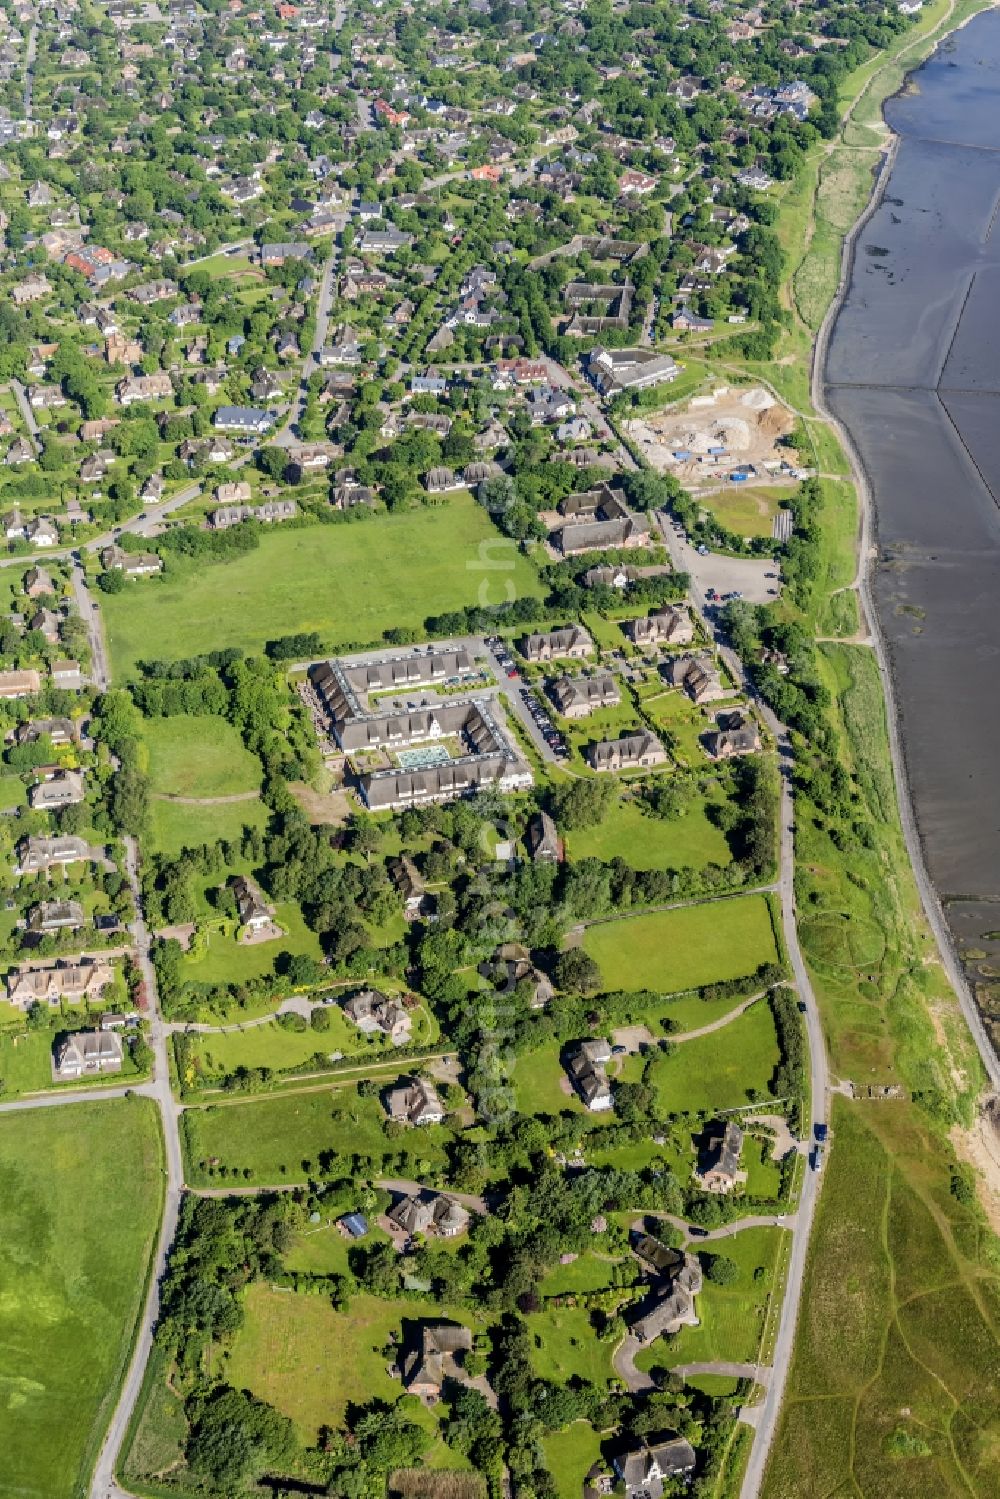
734 436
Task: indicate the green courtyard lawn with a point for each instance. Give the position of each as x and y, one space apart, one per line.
175 826
80 1195
731 1317
278 1139
348 582
565 1344
649 842
311 1362
570 1455
684 948
201 756
718 1070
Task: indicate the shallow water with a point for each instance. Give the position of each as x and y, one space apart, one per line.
913 371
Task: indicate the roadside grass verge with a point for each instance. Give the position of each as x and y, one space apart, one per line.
80 1196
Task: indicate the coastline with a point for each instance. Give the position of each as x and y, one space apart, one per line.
863 586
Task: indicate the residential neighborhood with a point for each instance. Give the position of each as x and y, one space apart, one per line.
458 936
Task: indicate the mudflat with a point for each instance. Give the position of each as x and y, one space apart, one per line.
913 372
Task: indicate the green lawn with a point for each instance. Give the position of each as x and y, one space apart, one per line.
731 1317
200 756
218 958
748 509
12 792
564 1343
175 826
312 1362
717 1070
540 1083
271 1045
570 1455
349 582
80 1191
324 1250
274 1136
26 1064
648 842
588 1272
685 948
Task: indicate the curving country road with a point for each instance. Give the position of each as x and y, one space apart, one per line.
103 1483
766 1415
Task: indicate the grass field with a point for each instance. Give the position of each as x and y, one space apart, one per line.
198 756
716 1071
272 1046
273 1137
80 1191
900 1327
747 509
175 826
311 1362
682 949
350 583
651 842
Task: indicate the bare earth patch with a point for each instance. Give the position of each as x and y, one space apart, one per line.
980 1148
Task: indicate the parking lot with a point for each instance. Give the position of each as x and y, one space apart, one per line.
526 703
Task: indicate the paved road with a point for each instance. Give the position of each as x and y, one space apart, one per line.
24 406
100 671
623 1363
29 70
103 1483
407 1188
287 436
75 1095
